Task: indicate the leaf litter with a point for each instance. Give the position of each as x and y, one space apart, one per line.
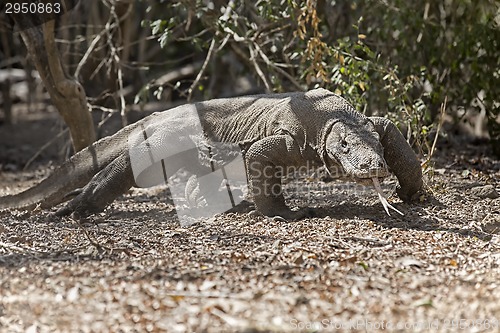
134 268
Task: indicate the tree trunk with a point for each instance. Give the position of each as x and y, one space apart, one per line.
66 93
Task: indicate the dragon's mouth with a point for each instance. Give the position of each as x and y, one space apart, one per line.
345 169
363 173
371 173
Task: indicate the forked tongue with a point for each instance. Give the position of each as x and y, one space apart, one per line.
382 199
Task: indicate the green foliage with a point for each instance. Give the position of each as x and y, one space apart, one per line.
452 44
397 58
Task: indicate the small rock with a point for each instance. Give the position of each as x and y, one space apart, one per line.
491 223
408 261
298 259
486 191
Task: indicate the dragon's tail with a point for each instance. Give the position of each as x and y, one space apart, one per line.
72 174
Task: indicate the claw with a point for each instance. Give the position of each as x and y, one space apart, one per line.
72 194
382 199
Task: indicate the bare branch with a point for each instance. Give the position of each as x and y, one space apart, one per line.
202 70
258 69
45 146
87 54
276 68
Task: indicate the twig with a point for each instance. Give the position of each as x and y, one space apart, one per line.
109 114
122 98
176 74
45 146
116 59
208 295
369 240
440 124
92 241
97 69
340 241
276 68
202 70
441 120
197 35
22 249
257 68
272 29
101 108
224 42
87 54
98 245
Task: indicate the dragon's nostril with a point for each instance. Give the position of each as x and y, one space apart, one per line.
364 166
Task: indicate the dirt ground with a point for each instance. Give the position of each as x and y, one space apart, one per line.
133 268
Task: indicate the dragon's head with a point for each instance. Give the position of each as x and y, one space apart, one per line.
356 148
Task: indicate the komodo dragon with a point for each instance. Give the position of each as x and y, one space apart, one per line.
275 131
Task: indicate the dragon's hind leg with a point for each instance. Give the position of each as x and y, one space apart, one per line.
115 179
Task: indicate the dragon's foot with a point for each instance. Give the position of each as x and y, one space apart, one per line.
79 209
409 195
83 204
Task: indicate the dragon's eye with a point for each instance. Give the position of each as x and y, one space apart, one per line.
343 143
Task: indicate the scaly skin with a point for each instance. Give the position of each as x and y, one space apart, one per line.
276 131
401 160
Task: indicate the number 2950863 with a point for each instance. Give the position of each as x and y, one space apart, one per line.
32 8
